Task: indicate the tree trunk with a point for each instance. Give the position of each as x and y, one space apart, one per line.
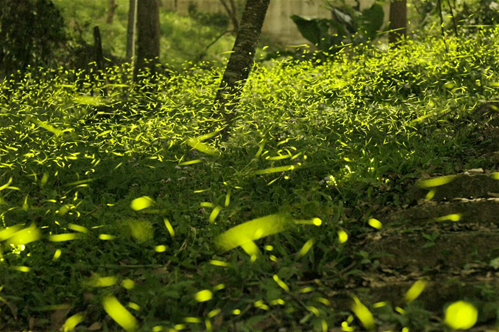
398 20
131 31
148 36
110 11
241 60
99 57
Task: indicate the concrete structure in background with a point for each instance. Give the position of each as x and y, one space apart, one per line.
278 23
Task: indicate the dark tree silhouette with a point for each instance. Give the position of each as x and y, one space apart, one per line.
148 36
398 21
110 11
32 32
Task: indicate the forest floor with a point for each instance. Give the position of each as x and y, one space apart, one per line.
356 193
442 247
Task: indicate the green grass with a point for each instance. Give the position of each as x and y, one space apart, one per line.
357 131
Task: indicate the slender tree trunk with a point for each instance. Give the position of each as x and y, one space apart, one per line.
148 36
99 57
110 11
398 21
131 31
232 12
241 60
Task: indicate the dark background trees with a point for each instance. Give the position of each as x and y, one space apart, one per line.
60 32
148 36
31 33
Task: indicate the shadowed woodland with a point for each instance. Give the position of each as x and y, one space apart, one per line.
162 171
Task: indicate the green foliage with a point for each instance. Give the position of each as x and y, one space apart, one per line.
177 33
32 33
356 131
210 19
467 14
475 13
82 16
347 26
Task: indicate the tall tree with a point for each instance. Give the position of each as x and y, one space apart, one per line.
131 31
148 36
398 21
99 55
232 12
111 7
99 58
241 60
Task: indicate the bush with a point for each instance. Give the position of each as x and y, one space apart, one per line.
32 32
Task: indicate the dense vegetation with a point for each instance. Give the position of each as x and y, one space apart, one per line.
177 31
114 194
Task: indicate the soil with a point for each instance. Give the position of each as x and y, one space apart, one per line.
450 238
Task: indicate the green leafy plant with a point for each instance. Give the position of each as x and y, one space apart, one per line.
467 15
348 25
431 239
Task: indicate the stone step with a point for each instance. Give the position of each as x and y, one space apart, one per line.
483 211
449 249
440 290
465 185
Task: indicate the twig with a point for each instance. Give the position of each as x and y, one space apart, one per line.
213 42
442 24
453 17
91 212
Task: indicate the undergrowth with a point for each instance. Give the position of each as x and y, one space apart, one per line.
110 168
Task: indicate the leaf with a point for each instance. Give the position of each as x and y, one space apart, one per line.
372 18
312 29
428 237
495 263
95 326
342 17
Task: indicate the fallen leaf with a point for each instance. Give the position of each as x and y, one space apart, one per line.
57 318
95 326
